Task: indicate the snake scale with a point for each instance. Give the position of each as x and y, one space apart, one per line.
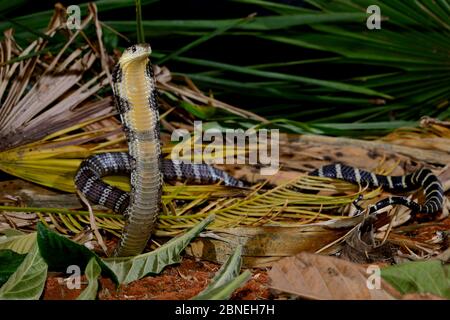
135 96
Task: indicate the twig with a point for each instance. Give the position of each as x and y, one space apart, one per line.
93 223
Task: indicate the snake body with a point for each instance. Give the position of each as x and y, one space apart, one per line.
135 98
422 178
89 177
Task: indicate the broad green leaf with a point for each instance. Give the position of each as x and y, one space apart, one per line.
420 277
93 271
29 279
230 269
133 268
225 291
227 273
18 243
9 262
60 252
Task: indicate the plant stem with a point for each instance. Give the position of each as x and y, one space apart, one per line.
139 26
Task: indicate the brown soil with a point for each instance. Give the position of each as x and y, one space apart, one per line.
182 281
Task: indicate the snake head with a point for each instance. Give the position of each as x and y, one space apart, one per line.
136 52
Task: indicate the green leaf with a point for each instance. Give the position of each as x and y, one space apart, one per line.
201 112
227 273
20 243
39 20
420 277
282 76
366 126
203 39
60 252
225 291
9 262
257 24
110 39
406 59
93 271
133 268
29 279
10 5
276 7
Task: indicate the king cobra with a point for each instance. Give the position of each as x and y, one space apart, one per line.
422 178
135 96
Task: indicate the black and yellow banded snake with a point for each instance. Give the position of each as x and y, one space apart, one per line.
422 178
135 97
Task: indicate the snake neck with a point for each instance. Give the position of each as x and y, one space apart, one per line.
134 93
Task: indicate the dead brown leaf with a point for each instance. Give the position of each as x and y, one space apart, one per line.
319 277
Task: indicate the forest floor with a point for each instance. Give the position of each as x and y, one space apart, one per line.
176 282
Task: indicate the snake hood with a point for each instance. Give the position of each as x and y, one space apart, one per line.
134 53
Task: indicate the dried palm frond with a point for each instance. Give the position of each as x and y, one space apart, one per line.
289 204
53 160
433 134
40 94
